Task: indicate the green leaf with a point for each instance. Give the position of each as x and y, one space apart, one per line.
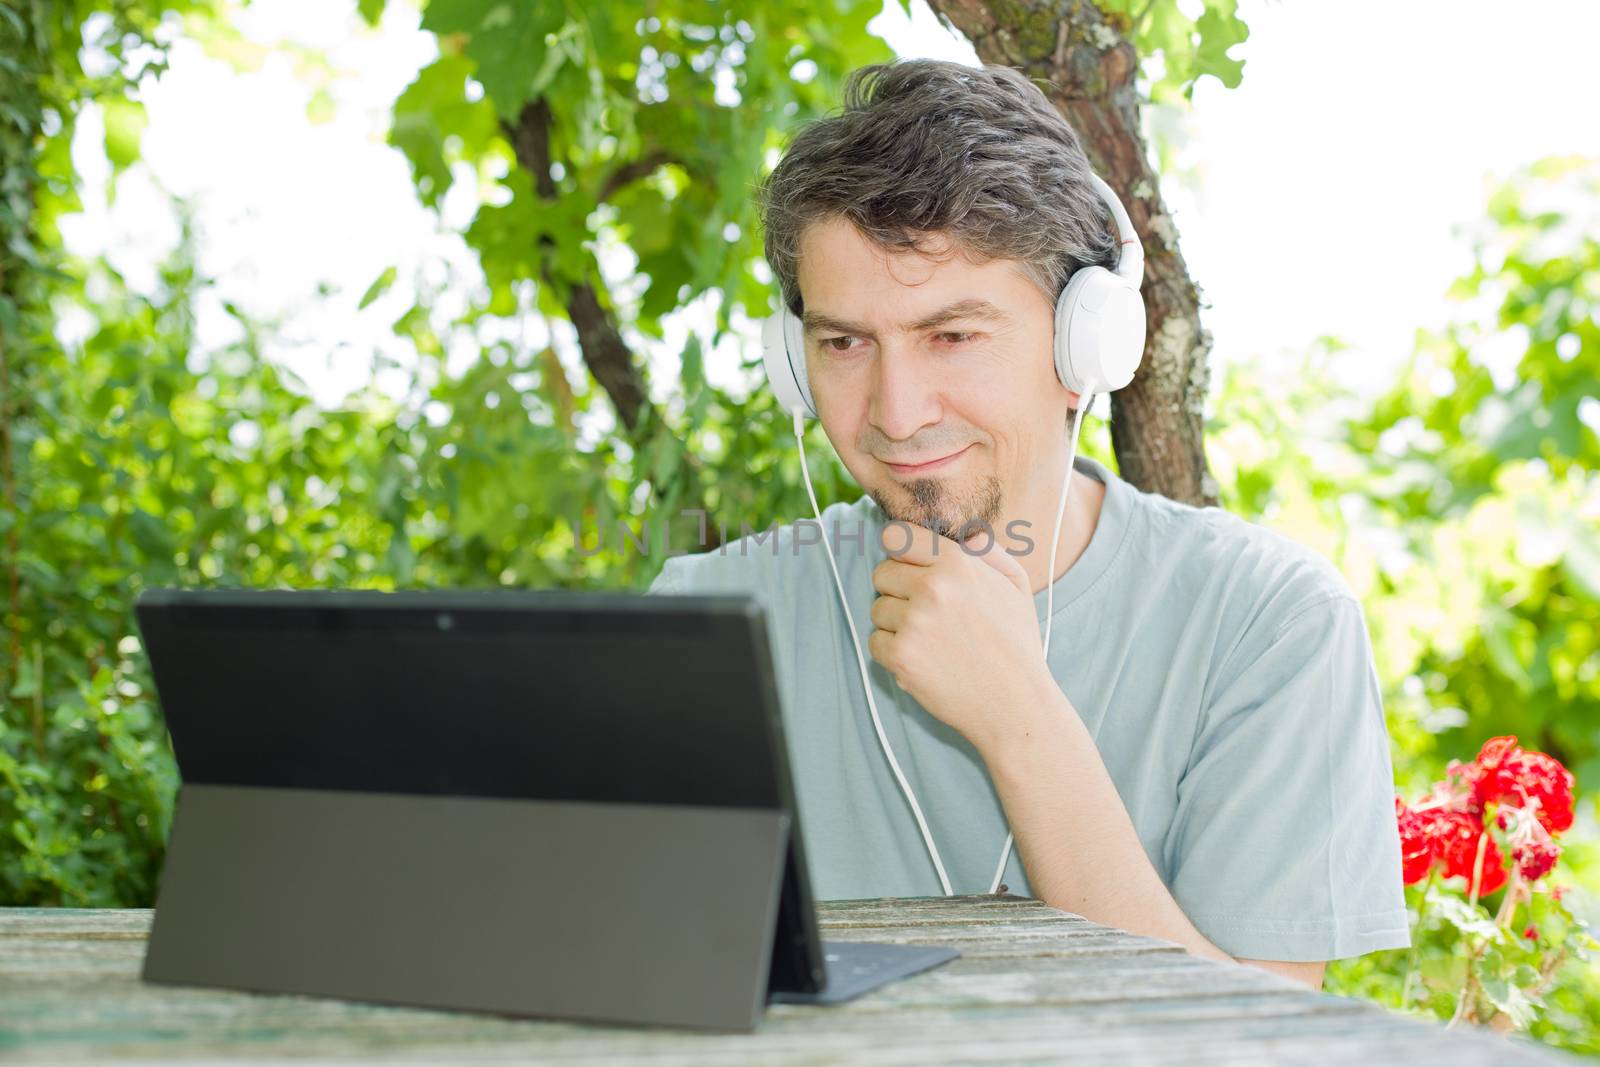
1509 998
1463 916
435 123
150 535
1581 560
1501 636
645 218
379 286
1220 29
125 121
506 40
321 109
692 365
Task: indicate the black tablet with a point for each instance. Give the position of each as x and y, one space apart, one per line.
588 754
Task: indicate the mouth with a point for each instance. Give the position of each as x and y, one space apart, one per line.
928 467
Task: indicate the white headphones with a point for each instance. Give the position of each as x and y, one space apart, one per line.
1099 336
1099 341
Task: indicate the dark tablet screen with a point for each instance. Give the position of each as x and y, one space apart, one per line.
543 695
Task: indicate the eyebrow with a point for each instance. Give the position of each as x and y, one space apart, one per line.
816 321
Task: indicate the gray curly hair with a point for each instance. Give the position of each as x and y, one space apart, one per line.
926 147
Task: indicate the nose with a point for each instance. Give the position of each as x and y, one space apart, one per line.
904 398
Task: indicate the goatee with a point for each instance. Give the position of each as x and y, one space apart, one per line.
935 506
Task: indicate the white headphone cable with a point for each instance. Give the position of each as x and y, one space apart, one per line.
1050 586
872 705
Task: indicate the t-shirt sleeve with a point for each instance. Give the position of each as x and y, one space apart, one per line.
670 578
1283 845
706 573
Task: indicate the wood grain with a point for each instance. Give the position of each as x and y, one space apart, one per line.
1034 985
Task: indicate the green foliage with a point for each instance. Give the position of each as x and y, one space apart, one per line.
646 130
144 461
1176 50
85 782
140 471
658 122
1507 509
1463 512
1526 967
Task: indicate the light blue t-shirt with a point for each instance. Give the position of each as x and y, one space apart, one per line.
1223 670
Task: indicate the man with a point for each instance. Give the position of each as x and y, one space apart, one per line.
1202 757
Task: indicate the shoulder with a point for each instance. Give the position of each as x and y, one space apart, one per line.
776 558
1265 580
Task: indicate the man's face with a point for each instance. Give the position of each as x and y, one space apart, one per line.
933 377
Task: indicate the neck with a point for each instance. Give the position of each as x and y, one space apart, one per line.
1039 514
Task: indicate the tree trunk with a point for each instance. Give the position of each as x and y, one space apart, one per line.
1157 428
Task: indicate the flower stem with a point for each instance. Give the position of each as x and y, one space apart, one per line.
1416 939
1508 906
1471 978
1477 866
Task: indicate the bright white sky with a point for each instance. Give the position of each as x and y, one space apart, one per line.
1320 197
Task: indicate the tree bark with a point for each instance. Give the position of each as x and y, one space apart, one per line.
1157 427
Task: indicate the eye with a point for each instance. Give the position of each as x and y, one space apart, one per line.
954 338
837 344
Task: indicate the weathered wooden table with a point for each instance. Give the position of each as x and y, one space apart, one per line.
1034 984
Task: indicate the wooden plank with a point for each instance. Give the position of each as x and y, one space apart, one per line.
1021 1036
976 909
800 1039
999 937
1034 985
78 923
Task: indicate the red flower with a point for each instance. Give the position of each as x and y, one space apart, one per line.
1456 836
1532 796
1544 779
1447 839
1506 774
1494 778
1416 850
1531 933
1536 858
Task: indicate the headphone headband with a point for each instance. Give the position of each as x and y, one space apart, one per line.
1130 264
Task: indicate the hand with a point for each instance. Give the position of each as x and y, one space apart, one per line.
955 625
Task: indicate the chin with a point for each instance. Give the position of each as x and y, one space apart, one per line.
945 506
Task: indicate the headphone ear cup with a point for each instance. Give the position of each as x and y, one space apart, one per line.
783 355
1099 331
